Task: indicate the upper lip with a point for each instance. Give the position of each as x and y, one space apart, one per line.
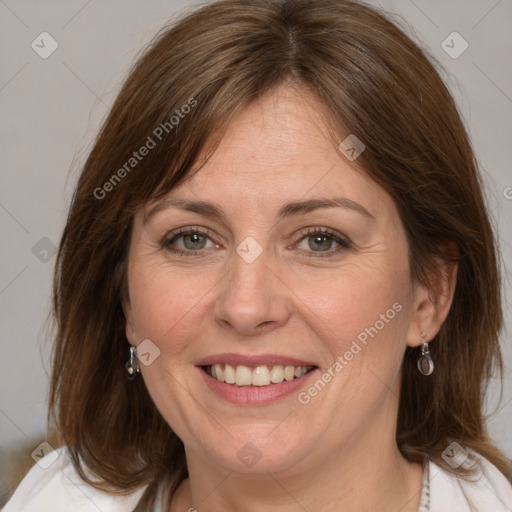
253 360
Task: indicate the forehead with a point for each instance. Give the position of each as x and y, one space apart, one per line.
280 148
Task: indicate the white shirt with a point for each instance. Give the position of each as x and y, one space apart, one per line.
53 485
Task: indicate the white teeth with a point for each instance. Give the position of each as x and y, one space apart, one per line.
277 374
243 376
259 376
219 372
229 374
289 372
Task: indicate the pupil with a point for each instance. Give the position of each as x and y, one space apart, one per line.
194 241
320 243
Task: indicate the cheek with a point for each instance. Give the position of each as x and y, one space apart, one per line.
362 324
166 304
361 315
168 308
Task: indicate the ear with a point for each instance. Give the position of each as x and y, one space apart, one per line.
431 304
130 327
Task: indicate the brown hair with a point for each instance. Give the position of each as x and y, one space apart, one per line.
379 85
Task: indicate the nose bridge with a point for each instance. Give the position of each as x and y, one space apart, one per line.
250 296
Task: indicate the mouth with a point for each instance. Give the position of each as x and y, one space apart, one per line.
255 375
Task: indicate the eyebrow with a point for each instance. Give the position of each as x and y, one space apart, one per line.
309 205
208 209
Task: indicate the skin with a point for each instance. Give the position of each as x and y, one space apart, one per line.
337 452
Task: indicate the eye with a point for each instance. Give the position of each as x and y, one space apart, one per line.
193 241
323 241
188 240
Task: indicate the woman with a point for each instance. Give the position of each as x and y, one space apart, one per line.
279 237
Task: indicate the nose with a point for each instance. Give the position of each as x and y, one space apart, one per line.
252 299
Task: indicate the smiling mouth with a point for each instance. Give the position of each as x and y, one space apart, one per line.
260 376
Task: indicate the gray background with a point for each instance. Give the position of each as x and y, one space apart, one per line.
51 109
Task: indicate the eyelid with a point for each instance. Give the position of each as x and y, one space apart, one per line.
342 240
187 230
314 230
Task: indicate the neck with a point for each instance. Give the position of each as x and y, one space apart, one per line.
359 476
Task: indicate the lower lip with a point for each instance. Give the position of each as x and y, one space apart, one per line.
255 395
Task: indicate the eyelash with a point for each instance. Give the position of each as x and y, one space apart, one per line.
343 243
174 235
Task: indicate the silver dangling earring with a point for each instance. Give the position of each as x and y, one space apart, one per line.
425 363
132 365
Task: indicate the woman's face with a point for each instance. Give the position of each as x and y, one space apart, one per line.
274 259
